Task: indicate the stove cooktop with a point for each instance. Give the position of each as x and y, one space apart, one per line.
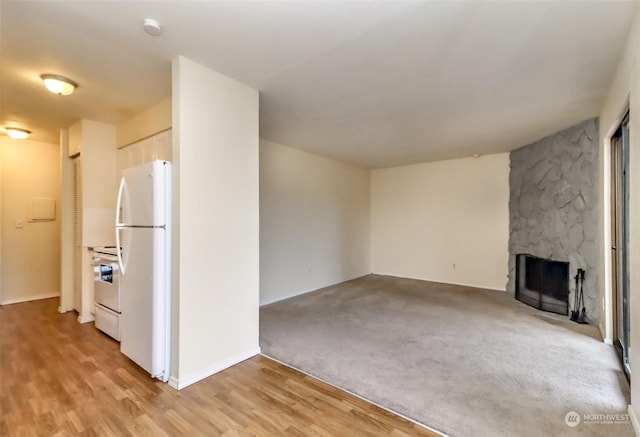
107 250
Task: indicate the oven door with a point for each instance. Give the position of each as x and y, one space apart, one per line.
107 281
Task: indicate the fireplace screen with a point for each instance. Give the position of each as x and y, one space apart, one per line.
543 283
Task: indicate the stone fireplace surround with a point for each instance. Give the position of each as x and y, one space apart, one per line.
553 206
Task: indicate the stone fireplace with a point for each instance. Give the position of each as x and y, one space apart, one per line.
553 206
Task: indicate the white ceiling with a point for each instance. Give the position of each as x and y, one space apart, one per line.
373 83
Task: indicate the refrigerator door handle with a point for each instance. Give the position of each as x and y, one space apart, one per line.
118 245
119 202
119 250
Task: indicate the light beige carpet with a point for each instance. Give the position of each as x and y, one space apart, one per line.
464 361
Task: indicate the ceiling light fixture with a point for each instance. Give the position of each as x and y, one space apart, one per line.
151 26
16 133
60 85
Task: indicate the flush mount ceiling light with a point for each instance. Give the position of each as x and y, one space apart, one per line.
59 84
151 26
16 133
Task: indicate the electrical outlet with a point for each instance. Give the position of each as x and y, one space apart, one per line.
19 223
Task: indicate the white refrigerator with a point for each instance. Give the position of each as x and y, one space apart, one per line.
143 240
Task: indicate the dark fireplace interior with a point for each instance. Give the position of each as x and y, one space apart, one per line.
543 283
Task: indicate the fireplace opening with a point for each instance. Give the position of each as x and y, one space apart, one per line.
543 283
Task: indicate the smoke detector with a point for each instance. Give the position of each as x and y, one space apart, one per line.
151 26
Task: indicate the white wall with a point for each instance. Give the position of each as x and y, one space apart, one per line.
216 222
30 264
624 94
314 222
67 246
445 221
1 215
151 121
157 146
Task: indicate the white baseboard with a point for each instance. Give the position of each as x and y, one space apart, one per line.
173 382
86 318
461 284
286 296
301 292
30 298
605 339
634 421
305 291
181 383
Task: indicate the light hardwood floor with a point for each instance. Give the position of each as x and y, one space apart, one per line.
58 377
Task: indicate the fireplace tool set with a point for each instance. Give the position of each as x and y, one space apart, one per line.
578 315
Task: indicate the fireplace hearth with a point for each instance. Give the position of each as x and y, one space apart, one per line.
543 283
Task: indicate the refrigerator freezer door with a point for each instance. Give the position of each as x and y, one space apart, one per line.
142 197
144 321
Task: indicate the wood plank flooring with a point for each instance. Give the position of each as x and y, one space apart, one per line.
60 378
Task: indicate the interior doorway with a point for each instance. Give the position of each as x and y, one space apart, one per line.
620 240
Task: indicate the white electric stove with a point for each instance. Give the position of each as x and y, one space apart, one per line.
107 291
